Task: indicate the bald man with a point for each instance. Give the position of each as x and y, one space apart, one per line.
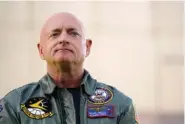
67 94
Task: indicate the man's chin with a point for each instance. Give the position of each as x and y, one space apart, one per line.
63 61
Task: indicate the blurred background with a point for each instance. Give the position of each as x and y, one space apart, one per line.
137 47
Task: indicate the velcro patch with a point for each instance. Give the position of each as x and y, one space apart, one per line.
99 111
37 108
1 108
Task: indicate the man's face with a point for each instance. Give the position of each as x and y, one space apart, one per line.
62 40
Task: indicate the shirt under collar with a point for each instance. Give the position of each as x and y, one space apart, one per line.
88 83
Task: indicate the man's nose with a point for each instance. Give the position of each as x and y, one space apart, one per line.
63 39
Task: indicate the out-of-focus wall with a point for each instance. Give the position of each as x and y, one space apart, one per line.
137 47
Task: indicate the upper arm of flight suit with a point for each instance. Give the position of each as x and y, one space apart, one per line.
8 106
7 114
129 116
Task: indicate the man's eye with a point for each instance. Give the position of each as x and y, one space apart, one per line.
74 33
54 34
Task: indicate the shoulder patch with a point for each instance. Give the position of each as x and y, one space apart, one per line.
37 108
1 108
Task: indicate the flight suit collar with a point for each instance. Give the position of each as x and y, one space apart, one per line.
88 84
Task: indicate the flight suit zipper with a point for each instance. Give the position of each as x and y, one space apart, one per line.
60 105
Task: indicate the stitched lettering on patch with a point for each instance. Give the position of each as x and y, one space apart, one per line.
100 111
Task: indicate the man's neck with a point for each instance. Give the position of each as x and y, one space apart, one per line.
66 79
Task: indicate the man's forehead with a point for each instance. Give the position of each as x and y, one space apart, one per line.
62 20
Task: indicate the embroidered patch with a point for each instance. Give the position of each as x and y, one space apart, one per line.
37 108
101 96
1 108
98 111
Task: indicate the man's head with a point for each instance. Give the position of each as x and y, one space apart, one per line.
62 40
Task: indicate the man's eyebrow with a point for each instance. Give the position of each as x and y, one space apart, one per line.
68 29
56 30
71 29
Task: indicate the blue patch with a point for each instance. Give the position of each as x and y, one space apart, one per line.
97 111
1 108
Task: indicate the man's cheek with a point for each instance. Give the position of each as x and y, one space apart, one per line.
83 49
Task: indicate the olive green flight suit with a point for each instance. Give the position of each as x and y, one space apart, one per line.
43 102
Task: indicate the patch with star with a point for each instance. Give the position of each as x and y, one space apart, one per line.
101 111
37 108
101 96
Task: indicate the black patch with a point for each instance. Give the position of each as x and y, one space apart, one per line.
37 108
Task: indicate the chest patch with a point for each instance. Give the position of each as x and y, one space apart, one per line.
37 108
99 111
101 96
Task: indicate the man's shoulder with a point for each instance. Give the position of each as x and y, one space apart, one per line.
21 91
19 95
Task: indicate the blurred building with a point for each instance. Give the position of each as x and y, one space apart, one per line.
137 47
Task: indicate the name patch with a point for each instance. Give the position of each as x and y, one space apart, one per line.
97 111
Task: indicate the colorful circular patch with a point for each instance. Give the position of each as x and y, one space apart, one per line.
101 96
37 108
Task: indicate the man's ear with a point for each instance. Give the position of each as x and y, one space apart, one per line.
40 51
88 46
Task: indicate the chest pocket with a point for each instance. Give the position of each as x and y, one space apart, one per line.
101 120
100 109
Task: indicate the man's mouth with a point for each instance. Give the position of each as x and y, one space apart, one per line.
63 49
